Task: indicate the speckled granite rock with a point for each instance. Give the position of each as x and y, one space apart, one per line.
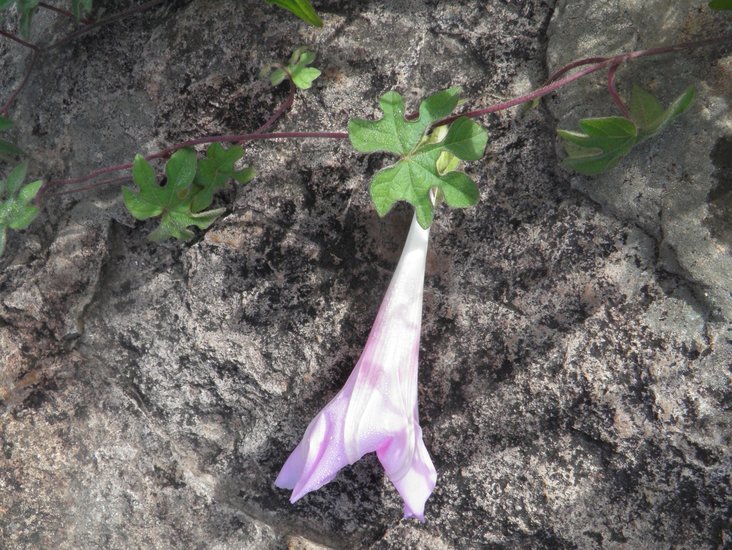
572 387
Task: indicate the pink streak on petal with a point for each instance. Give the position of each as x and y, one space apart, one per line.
377 408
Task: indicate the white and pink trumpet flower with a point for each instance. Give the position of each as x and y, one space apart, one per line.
377 408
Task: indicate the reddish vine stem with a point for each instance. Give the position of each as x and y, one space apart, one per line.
6 106
232 138
93 25
19 40
281 110
63 12
559 72
39 49
110 181
614 92
595 66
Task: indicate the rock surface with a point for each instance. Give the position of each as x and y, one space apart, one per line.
573 376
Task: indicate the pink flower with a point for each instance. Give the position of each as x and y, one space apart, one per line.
377 408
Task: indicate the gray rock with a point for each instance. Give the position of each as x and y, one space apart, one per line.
572 387
667 185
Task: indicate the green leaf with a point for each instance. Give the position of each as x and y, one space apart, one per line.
721 4
301 8
26 8
466 139
80 8
428 161
650 116
176 222
395 134
297 69
172 201
5 123
600 145
16 208
8 149
303 77
604 141
215 171
277 76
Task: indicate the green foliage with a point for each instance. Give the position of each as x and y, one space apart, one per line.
297 69
301 8
80 8
26 9
187 192
602 142
215 171
721 4
428 161
16 210
7 149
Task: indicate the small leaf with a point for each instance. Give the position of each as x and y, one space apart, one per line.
29 191
301 8
215 171
16 177
645 109
297 69
601 144
277 76
303 77
649 114
9 149
16 208
466 139
5 123
26 8
721 4
80 8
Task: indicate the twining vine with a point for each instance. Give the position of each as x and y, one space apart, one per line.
431 144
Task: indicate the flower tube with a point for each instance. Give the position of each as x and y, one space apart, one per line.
377 408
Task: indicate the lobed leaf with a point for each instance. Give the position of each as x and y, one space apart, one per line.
721 4
604 141
428 161
215 171
188 189
16 208
301 8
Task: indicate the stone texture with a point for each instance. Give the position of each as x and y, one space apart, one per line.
572 383
667 186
